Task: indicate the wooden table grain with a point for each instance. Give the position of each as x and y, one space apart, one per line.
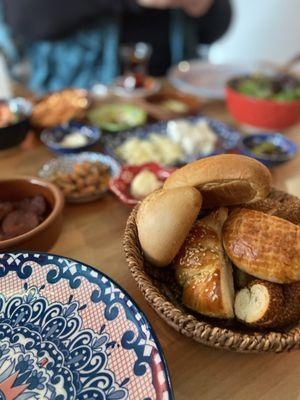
93 233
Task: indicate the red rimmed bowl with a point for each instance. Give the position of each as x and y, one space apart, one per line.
261 113
120 185
44 235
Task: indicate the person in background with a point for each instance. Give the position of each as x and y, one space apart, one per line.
75 43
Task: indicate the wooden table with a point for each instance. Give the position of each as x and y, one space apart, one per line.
93 233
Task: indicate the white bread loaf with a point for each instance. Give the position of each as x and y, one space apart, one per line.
224 180
164 219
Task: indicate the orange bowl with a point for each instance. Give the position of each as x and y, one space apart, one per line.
262 113
44 235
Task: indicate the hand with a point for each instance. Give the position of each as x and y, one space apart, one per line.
161 4
195 8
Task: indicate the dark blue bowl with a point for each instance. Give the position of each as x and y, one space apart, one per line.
12 135
53 136
288 147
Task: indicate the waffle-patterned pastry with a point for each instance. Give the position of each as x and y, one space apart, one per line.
203 269
262 245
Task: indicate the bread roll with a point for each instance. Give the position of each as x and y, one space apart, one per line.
241 278
164 219
224 180
262 245
203 269
268 305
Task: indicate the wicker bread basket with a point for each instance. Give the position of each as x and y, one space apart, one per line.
162 293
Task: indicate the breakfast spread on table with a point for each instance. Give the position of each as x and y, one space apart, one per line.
19 217
203 252
210 242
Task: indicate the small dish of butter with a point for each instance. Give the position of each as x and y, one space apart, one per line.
72 137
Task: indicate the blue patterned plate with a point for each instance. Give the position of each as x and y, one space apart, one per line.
68 332
228 138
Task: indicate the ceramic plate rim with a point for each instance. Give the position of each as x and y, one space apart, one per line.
100 272
200 91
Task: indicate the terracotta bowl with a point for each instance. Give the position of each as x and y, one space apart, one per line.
44 235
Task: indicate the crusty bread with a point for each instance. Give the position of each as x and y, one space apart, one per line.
241 278
224 180
268 305
262 245
164 219
203 269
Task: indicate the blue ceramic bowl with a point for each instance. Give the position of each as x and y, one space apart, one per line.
52 137
228 138
288 147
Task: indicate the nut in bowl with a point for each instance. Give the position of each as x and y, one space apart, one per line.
135 182
228 277
82 178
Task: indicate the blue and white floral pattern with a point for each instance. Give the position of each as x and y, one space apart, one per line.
47 352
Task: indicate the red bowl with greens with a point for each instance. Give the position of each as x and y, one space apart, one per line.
272 104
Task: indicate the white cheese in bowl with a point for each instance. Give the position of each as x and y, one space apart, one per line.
74 139
144 183
194 138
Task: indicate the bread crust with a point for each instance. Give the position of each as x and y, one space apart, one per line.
164 219
223 180
203 269
281 308
262 245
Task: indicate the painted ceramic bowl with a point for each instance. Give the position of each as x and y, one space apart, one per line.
68 331
120 185
117 117
56 139
14 133
227 138
44 235
270 149
65 164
